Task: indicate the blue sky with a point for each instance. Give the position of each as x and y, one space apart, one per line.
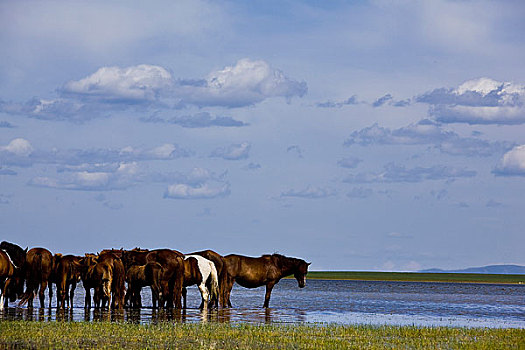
358 135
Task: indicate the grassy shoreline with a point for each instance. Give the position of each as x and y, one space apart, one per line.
110 335
417 277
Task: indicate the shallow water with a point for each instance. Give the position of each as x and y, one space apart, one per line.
340 302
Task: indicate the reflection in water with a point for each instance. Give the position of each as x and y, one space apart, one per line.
342 302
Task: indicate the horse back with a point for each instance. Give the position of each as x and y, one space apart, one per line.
39 264
250 272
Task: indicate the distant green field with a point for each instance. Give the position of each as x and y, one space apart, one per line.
416 277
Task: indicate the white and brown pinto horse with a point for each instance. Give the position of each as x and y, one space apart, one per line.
199 270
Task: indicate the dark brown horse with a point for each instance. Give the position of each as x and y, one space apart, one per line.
256 272
67 275
17 255
38 268
172 278
118 288
139 276
218 260
135 256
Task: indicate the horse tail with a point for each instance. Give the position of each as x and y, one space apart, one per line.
32 279
106 282
214 281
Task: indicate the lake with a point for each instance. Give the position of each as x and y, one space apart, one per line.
327 301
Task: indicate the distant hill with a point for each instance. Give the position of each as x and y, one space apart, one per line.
494 269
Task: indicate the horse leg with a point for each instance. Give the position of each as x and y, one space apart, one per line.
269 288
71 295
50 294
41 294
184 294
204 295
227 291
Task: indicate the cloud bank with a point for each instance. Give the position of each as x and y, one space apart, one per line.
246 83
478 101
426 132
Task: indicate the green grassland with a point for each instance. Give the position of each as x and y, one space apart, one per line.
416 277
107 335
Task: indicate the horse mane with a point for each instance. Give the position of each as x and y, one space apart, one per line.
285 261
15 251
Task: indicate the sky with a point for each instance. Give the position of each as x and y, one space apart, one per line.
357 135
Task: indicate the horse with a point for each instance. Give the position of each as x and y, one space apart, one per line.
87 274
67 275
199 270
118 289
266 270
17 256
135 256
7 271
172 278
139 276
38 268
218 260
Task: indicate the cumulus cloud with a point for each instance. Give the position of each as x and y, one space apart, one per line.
310 192
512 163
426 132
246 83
398 173
136 84
18 152
233 152
197 120
123 177
205 191
478 101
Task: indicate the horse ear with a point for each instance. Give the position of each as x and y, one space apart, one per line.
25 251
309 264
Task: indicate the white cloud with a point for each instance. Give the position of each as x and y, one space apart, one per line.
20 147
114 84
233 152
123 177
246 83
478 101
184 191
512 163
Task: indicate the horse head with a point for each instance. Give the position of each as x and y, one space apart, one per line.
300 273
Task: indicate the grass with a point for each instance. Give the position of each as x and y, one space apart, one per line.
108 335
416 277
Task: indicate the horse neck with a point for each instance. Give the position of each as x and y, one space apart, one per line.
288 266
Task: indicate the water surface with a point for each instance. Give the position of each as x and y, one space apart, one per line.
323 301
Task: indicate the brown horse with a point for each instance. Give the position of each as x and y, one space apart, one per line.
118 289
172 278
17 256
38 268
7 271
87 274
67 275
139 276
256 272
218 260
135 256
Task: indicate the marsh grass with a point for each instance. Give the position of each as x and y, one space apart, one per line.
107 335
